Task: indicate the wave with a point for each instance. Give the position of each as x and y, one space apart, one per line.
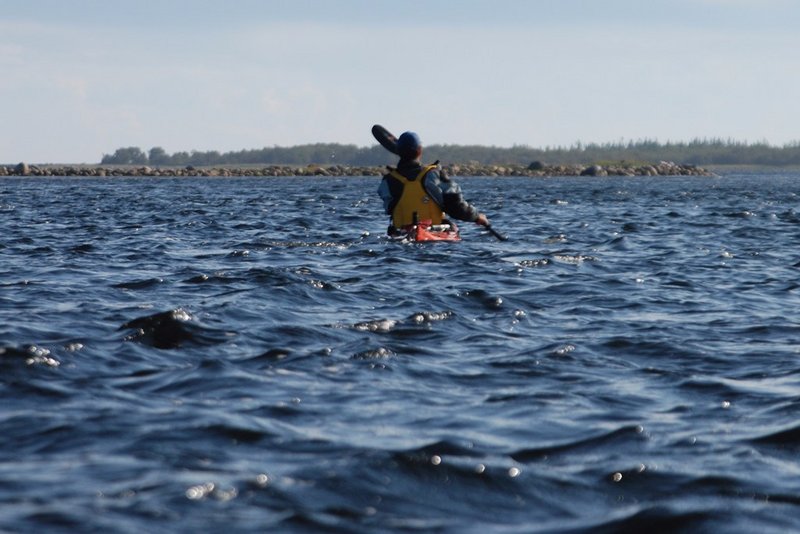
413 320
617 438
30 355
139 284
786 438
172 329
654 519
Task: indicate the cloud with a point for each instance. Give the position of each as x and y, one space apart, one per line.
74 86
540 73
11 55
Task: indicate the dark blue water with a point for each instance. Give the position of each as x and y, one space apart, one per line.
251 355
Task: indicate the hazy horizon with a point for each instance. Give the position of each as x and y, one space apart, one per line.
87 77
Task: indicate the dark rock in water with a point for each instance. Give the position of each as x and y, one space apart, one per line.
22 169
536 166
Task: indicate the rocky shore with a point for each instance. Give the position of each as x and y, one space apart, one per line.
471 169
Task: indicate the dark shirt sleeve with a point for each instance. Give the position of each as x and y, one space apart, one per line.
447 193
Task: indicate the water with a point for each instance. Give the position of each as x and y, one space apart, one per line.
251 355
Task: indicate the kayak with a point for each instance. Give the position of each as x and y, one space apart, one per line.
425 231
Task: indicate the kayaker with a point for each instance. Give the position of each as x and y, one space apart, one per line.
414 192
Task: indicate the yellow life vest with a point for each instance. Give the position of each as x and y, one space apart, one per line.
414 204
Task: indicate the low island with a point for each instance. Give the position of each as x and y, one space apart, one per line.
535 169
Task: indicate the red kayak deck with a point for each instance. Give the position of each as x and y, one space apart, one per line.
425 231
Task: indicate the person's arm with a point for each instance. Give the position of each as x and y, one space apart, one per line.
448 195
385 192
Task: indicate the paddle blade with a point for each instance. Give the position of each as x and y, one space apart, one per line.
497 234
385 138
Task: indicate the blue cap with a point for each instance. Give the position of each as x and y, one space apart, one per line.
408 143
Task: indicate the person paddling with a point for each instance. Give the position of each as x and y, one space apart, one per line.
414 192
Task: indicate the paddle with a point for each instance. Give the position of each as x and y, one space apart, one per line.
495 233
389 142
385 138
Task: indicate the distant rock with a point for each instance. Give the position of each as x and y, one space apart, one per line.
663 168
594 170
536 166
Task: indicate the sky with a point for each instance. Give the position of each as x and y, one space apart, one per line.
81 78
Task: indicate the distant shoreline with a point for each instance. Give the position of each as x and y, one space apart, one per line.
535 169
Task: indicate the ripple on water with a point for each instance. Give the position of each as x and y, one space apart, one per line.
223 353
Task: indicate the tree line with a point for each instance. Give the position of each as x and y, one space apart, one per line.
696 152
